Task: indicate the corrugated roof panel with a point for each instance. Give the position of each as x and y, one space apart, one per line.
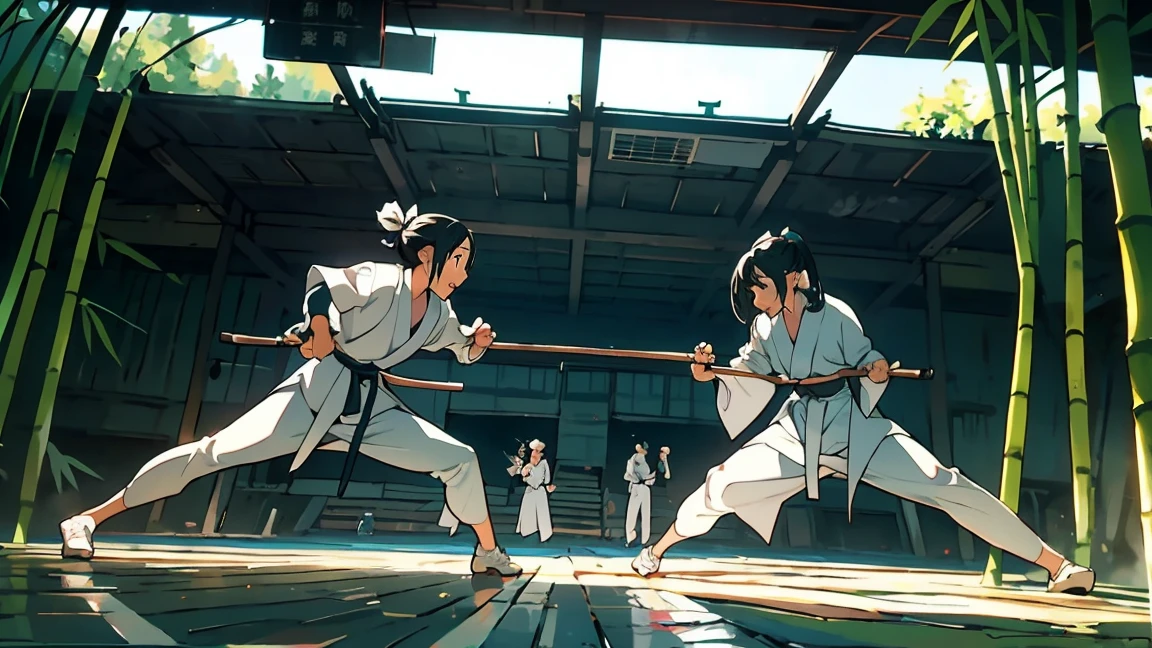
520 183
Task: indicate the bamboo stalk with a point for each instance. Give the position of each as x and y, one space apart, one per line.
1019 143
42 424
1031 134
28 243
55 92
7 83
1082 492
1026 272
1120 122
25 79
48 206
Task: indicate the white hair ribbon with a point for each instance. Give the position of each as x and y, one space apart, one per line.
394 220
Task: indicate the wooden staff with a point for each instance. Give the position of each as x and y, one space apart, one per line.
894 372
391 379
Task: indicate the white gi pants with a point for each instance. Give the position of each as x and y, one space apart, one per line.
639 506
276 426
756 481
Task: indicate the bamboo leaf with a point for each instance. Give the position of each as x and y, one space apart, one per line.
1056 88
965 18
929 18
101 247
3 475
69 476
91 304
998 8
103 335
79 465
87 327
56 465
173 277
1008 42
126 250
1037 32
1141 26
964 44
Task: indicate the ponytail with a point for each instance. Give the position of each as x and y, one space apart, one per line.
408 233
814 292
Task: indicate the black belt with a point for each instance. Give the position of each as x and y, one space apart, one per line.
821 390
361 372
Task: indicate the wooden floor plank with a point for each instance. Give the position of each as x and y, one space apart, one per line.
574 625
519 627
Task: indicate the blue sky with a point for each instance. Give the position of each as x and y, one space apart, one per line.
540 71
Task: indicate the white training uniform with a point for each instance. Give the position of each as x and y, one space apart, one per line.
371 312
640 479
535 515
814 436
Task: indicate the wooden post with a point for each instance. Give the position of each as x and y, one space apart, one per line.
939 415
207 334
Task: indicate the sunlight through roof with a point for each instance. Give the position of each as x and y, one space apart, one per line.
513 70
675 77
892 87
228 62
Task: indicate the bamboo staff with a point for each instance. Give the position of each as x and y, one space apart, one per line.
672 356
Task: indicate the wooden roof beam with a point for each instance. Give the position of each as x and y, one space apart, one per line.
384 144
585 146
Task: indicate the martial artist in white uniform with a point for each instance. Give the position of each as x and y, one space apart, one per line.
377 316
640 479
534 512
823 429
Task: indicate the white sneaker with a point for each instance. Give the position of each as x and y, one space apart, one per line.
495 562
76 533
1072 579
646 563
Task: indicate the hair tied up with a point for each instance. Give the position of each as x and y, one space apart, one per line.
394 221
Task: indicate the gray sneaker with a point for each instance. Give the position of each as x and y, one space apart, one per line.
495 562
1072 579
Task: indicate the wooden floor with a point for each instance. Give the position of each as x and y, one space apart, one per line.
201 593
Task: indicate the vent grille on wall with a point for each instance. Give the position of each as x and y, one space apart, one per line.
652 148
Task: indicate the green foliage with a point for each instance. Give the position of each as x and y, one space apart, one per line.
267 85
1141 26
192 69
90 319
930 17
103 242
944 117
307 82
1037 32
61 466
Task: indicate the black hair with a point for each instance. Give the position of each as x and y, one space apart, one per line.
775 257
443 233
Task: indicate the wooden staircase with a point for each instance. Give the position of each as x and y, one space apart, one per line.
576 504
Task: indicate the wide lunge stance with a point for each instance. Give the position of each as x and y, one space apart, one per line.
825 429
357 322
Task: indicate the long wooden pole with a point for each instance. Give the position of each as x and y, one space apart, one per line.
895 372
